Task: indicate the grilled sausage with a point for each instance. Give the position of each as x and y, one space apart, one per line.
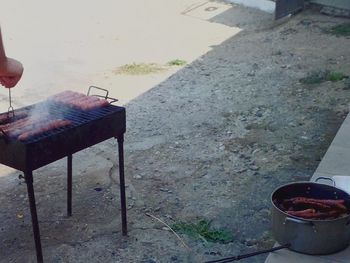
79 101
51 125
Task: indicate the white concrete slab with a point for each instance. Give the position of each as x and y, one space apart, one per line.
264 5
336 161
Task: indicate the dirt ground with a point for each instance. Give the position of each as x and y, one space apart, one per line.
211 141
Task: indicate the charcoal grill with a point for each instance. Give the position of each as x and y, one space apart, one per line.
87 129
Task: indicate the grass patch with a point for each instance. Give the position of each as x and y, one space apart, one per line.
336 76
317 77
177 62
203 231
139 69
341 30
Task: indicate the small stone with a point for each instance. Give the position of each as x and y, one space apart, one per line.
255 66
147 210
242 170
255 151
259 114
305 22
251 74
254 168
137 176
347 84
250 242
277 53
20 215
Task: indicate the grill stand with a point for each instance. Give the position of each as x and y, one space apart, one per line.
69 185
120 139
28 175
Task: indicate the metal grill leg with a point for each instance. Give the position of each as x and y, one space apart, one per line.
29 180
120 139
69 185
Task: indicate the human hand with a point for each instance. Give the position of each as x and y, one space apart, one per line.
11 72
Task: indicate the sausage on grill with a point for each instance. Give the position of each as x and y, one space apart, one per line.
51 125
79 100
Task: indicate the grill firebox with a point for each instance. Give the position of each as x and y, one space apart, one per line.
87 129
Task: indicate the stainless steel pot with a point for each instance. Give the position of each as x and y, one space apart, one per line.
315 237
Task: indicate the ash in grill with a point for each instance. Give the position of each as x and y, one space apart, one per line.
83 127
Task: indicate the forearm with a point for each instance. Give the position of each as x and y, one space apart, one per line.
2 50
10 69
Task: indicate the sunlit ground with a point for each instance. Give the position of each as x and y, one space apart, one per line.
74 44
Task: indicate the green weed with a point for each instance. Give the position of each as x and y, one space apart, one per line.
336 76
317 77
177 62
203 231
139 69
341 30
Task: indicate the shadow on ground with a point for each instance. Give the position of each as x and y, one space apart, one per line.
211 142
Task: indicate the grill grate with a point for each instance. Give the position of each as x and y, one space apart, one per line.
60 111
87 128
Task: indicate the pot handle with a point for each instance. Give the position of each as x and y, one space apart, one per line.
298 221
325 178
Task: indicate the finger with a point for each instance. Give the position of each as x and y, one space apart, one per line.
10 82
5 82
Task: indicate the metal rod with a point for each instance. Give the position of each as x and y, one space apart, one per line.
120 139
94 87
10 109
239 257
10 98
29 181
69 185
106 97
